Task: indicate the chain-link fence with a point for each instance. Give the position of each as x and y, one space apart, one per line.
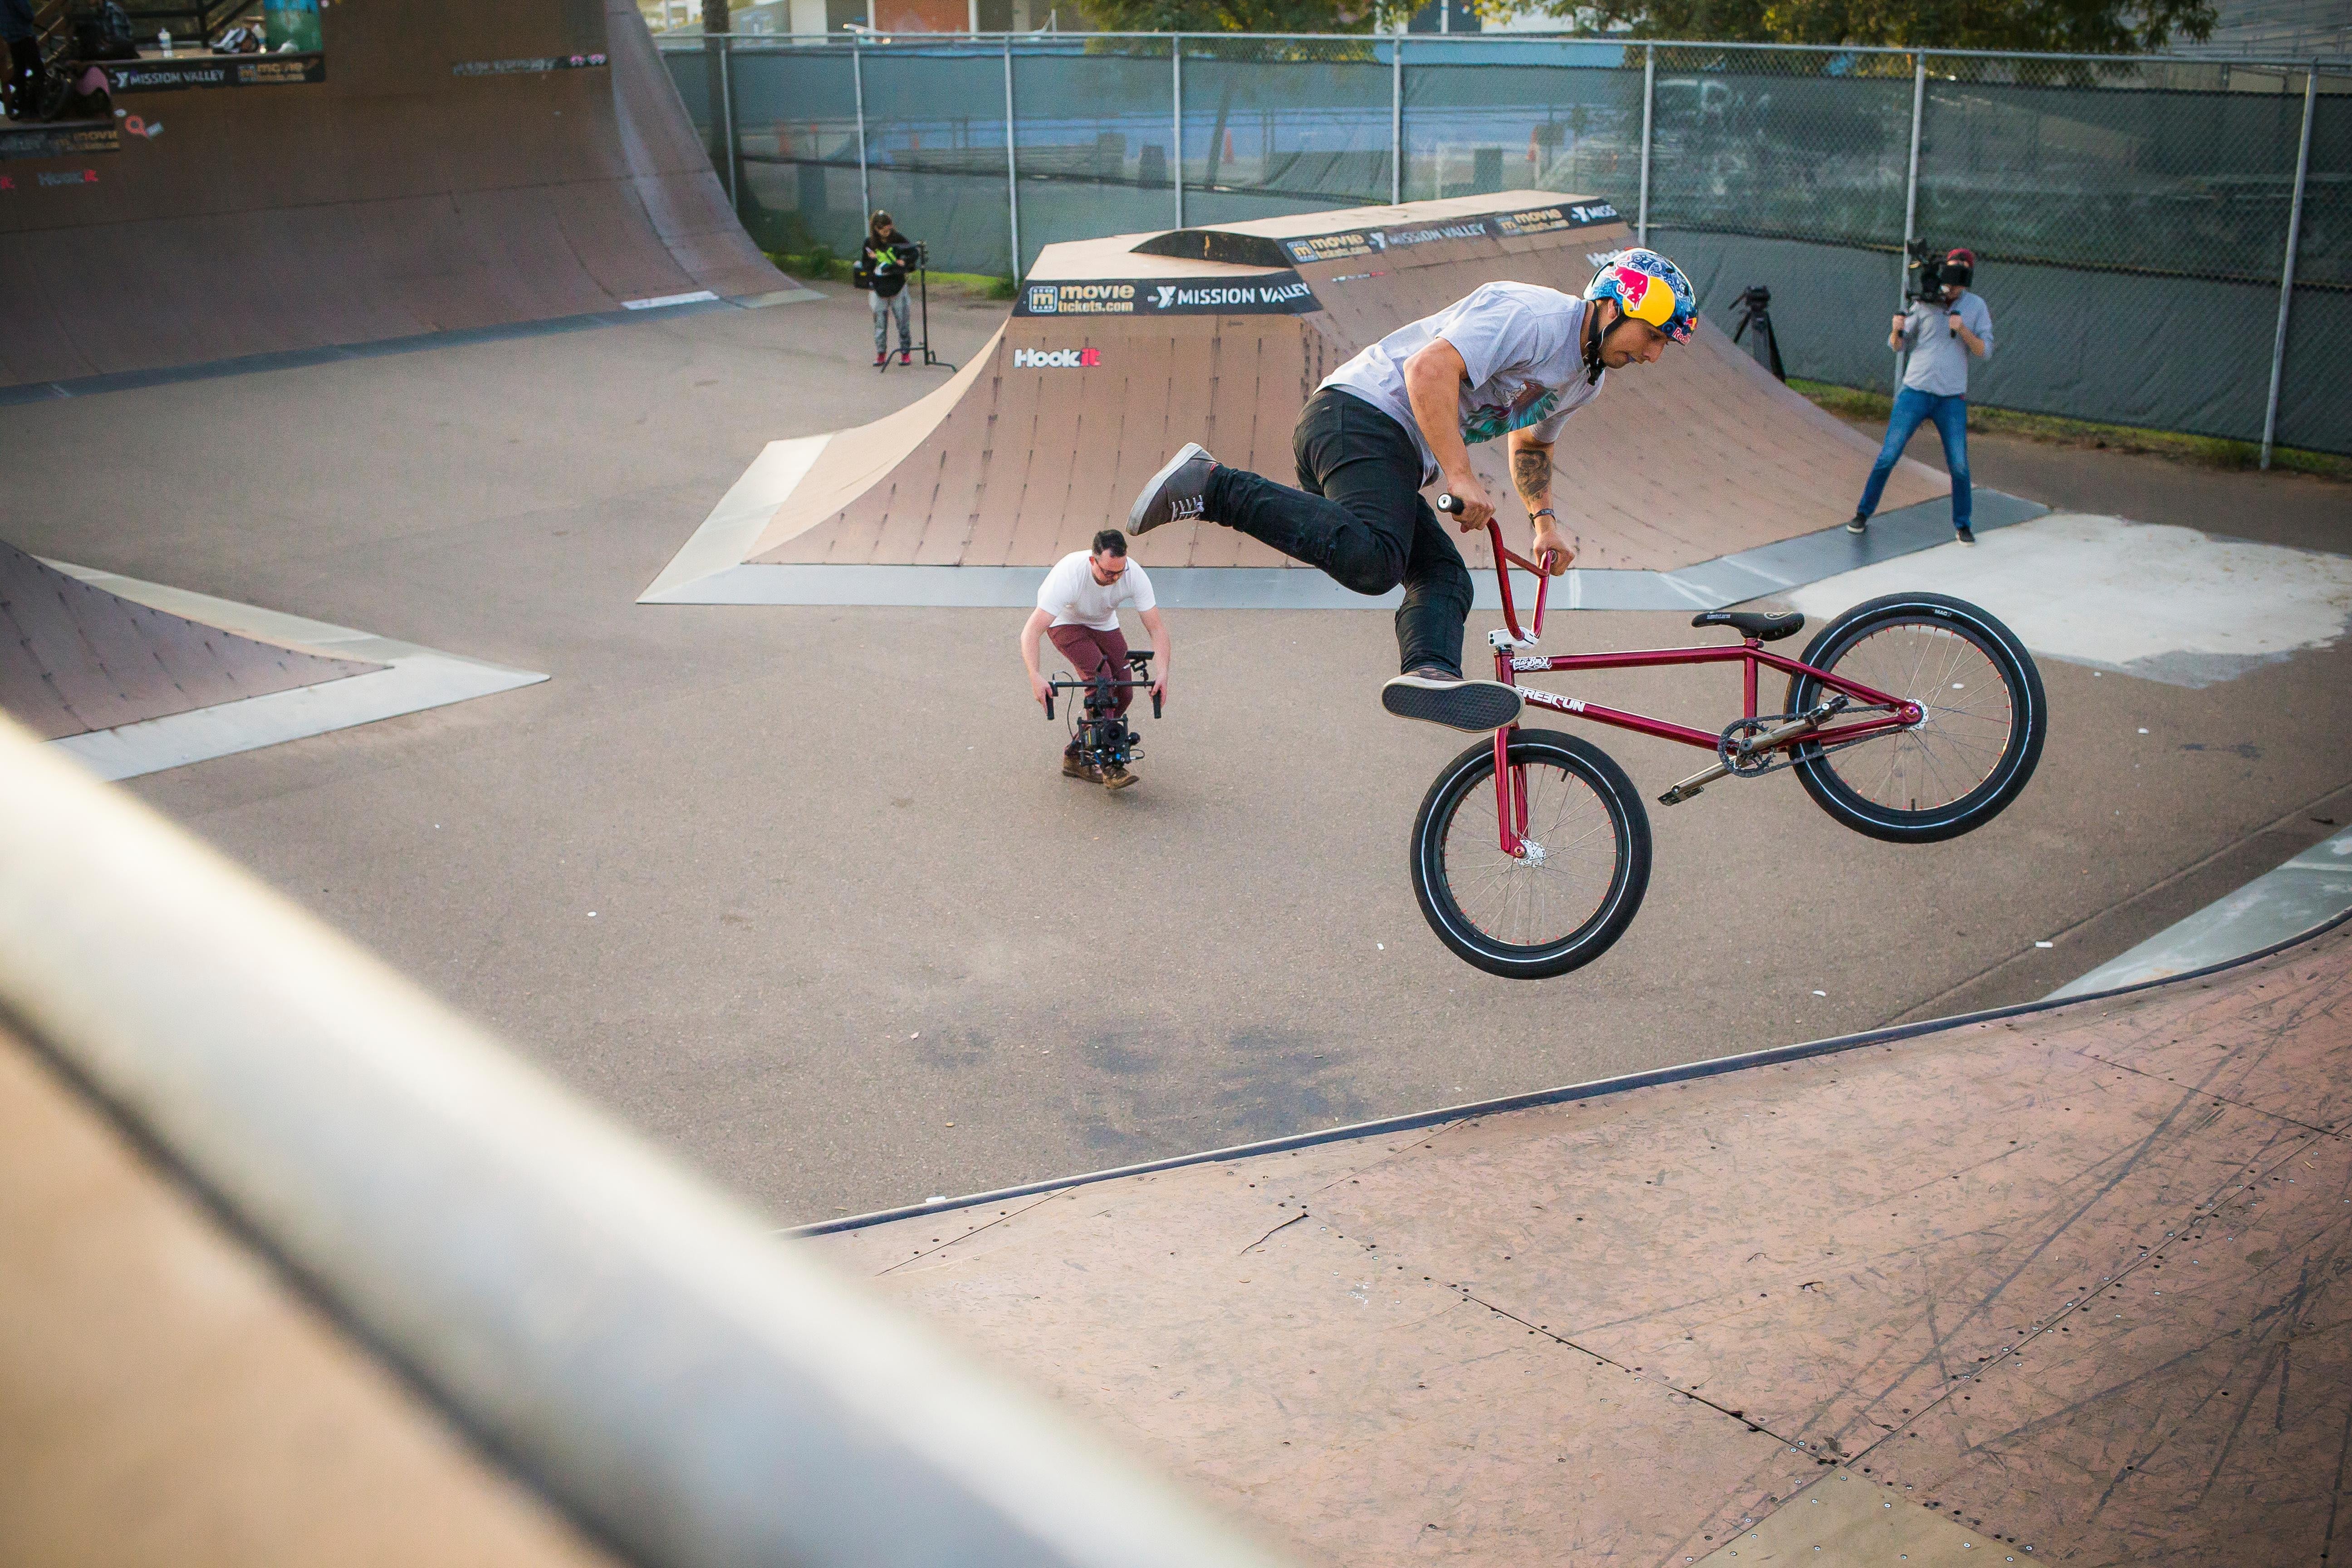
2130 217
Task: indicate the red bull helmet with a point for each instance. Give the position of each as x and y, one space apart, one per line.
1648 287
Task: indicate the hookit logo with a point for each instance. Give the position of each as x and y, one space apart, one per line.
1057 359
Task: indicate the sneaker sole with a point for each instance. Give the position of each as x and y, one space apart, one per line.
1475 705
1151 491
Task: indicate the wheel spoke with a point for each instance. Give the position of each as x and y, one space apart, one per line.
1968 716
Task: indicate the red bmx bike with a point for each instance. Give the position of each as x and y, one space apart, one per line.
1911 718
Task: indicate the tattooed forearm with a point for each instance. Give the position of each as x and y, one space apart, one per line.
1531 474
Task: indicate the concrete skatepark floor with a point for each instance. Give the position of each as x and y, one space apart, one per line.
854 940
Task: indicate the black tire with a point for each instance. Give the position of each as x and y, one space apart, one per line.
1601 859
1972 756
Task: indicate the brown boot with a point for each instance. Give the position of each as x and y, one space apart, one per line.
1115 776
1074 766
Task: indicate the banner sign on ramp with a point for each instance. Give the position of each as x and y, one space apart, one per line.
1348 243
215 71
56 142
1273 294
532 66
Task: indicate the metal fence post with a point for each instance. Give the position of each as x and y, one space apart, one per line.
1396 120
1910 193
727 111
1011 167
857 80
1176 148
1649 99
2286 269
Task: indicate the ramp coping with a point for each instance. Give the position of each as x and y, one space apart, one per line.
702 573
416 678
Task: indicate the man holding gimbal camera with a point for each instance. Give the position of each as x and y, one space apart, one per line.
1942 324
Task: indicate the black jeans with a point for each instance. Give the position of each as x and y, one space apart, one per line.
1359 515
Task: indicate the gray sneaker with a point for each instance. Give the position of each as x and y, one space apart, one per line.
1964 534
1437 698
1857 523
1177 493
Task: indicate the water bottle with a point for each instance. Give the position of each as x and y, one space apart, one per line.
163 40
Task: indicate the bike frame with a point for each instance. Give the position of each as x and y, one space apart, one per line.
1510 783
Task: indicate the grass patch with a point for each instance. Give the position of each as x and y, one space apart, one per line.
822 263
2206 451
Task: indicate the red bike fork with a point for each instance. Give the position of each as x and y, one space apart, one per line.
1510 792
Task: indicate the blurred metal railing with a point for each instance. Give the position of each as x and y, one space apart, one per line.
630 1340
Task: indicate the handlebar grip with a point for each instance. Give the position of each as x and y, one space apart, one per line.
1049 705
1155 705
1449 503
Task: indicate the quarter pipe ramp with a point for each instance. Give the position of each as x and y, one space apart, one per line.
1119 349
462 166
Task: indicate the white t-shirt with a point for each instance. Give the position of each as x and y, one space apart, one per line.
1523 346
1072 596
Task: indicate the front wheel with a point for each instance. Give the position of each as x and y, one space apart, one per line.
1969 756
1583 866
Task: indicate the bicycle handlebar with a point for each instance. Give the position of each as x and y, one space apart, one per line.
1104 685
1505 559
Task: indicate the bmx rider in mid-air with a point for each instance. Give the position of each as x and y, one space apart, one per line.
1513 359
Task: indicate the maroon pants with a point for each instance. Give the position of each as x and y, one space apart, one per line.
1090 652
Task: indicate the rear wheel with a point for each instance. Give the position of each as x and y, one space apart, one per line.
1572 890
1962 764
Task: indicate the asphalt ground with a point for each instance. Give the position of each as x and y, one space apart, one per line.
803 893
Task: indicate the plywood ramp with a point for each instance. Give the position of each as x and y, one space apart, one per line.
75 658
397 197
2068 1287
1107 367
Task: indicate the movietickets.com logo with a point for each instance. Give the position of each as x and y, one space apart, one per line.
1057 359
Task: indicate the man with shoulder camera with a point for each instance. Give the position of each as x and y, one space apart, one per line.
1943 326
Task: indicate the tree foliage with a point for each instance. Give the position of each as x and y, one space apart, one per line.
2063 27
1228 15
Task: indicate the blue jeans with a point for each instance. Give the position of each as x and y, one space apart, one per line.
1914 408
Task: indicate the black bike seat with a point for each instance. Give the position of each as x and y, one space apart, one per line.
1753 623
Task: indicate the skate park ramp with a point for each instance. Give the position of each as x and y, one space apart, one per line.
1120 350
462 168
2058 1284
131 678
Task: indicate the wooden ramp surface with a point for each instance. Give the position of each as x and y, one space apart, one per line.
1047 435
75 658
2067 1288
434 181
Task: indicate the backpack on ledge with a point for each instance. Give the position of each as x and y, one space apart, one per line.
102 32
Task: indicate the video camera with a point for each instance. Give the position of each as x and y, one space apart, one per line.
1929 276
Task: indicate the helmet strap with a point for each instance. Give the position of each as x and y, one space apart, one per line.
1592 339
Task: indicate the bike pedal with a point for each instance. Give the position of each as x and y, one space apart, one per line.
1678 795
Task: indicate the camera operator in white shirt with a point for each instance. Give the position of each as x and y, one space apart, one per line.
1078 607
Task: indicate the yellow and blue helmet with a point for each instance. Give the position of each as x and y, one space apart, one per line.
1648 287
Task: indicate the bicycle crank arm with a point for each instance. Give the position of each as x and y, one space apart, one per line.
1766 741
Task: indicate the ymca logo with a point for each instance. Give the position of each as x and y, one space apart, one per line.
1057 359
1167 295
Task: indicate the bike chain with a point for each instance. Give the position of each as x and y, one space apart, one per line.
1749 768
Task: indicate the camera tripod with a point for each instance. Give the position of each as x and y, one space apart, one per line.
923 296
1756 310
